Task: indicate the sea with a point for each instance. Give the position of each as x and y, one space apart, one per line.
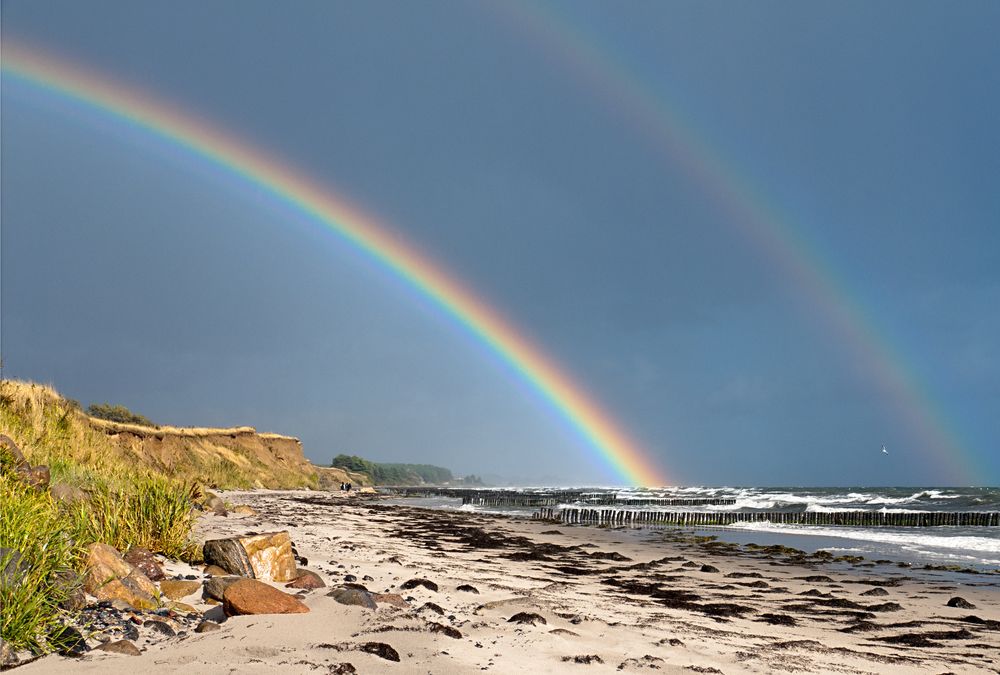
970 547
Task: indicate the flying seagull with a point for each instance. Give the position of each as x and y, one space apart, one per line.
884 451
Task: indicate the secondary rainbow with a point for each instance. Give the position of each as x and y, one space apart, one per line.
658 118
593 425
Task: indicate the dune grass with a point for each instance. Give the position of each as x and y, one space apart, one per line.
126 505
33 525
141 484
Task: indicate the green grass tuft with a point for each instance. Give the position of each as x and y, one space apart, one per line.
33 524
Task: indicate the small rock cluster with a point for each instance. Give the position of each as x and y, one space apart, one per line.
125 602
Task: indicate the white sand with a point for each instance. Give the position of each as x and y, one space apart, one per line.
630 632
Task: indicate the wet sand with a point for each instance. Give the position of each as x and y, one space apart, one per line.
511 595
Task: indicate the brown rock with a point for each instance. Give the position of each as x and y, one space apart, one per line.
214 571
116 590
244 510
264 556
249 596
307 579
207 627
120 647
146 562
175 589
110 577
394 599
104 562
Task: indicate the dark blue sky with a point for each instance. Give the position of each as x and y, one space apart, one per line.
135 274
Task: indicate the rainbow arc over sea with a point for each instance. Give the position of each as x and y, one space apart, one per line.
656 114
593 425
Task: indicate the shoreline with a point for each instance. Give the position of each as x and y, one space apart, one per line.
612 600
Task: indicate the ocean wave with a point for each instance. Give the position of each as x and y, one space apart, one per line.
904 539
819 508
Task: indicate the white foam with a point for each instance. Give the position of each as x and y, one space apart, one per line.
903 539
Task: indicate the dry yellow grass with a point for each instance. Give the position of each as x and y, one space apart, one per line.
52 431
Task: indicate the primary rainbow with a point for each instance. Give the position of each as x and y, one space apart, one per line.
659 119
593 425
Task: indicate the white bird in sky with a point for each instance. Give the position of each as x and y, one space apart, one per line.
884 451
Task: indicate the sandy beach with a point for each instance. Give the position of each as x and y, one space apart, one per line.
490 593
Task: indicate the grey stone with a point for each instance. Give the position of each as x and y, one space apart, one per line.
230 555
68 641
125 647
353 596
215 587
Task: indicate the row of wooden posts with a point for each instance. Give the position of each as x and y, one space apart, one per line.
688 518
551 497
538 500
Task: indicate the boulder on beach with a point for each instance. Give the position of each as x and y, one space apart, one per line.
120 647
353 596
175 589
306 579
146 562
262 556
394 599
249 596
215 588
110 577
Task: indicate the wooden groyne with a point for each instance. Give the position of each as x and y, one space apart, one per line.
627 517
549 497
496 497
537 500
657 501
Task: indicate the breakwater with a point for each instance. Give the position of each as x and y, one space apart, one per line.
626 517
551 497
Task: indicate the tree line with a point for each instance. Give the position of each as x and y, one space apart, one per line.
390 473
